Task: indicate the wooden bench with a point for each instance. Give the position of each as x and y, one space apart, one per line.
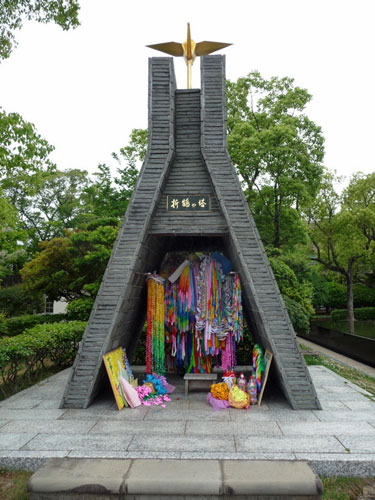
199 381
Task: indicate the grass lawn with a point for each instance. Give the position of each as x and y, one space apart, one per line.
13 484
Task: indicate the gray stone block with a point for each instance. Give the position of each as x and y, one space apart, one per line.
346 415
235 428
270 478
189 414
289 444
358 443
79 476
21 403
34 414
47 427
182 443
79 442
14 441
135 426
168 477
326 428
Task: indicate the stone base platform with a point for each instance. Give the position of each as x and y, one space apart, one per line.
70 478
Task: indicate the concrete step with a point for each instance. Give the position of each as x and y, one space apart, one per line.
157 479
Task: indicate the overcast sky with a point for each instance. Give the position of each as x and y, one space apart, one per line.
86 89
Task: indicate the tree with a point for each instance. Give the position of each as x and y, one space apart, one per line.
72 266
110 197
277 150
57 205
24 157
13 12
341 228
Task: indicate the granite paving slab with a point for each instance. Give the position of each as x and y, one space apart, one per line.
21 404
48 426
291 444
190 415
348 415
326 428
106 414
356 444
31 414
79 442
279 415
135 426
15 441
234 428
182 443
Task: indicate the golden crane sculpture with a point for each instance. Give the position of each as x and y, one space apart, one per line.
189 50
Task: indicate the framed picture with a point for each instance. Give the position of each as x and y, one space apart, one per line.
114 364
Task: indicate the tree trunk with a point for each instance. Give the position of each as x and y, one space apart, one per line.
349 297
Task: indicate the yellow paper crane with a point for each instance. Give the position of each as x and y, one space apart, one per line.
189 50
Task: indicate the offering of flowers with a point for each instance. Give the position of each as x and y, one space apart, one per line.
238 398
220 391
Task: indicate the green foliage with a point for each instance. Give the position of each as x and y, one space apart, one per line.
80 309
17 325
24 157
57 205
290 287
363 296
361 314
2 323
244 352
278 152
342 229
336 295
15 301
300 320
30 351
13 13
110 197
72 267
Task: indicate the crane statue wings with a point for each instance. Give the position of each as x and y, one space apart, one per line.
189 50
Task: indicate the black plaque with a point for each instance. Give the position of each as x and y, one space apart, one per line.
189 203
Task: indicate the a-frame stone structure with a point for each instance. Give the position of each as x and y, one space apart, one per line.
187 155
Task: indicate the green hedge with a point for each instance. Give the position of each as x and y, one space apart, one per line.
80 309
300 320
363 313
16 301
27 354
18 324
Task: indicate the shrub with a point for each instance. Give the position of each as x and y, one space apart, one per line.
80 308
363 296
29 352
300 320
336 295
16 301
17 325
362 314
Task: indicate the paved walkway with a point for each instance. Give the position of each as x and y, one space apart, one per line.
340 439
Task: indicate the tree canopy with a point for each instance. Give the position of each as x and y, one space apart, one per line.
277 150
13 13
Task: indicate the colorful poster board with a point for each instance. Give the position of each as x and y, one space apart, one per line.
267 363
114 364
